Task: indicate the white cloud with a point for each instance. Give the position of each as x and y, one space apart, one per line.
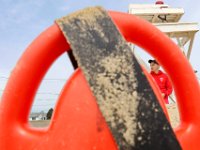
19 12
64 8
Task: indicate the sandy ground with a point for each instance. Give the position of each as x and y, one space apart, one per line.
172 110
173 114
41 123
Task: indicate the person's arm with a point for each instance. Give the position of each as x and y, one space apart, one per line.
168 86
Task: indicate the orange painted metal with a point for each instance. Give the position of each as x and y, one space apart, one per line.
184 81
77 122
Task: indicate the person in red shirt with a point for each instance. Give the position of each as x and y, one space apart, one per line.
161 79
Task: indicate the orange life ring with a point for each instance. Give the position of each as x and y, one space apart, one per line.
15 133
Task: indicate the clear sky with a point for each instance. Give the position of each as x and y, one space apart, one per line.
22 21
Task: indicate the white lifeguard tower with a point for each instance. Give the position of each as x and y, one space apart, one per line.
167 19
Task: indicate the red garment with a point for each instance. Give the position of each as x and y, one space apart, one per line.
163 83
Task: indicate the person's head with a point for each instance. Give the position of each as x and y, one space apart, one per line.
154 65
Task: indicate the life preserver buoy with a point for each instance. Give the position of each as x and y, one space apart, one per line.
31 68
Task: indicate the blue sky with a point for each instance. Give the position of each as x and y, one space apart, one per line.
22 21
